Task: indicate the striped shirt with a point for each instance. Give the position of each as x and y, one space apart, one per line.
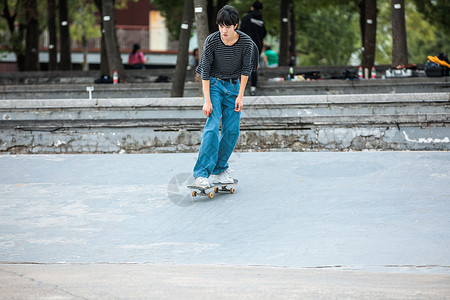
222 61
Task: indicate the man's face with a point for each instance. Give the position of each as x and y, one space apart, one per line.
227 31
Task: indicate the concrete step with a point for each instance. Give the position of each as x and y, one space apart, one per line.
265 89
141 84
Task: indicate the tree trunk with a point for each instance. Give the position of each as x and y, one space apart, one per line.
110 38
52 47
104 67
284 34
399 45
85 52
293 35
212 13
370 35
201 21
31 36
362 20
183 50
18 49
64 32
16 36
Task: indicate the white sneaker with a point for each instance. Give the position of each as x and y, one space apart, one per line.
202 182
223 177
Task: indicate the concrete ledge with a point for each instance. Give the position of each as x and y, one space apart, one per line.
191 89
415 121
181 103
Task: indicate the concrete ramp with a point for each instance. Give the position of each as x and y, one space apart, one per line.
358 215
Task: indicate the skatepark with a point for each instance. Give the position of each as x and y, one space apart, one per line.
341 195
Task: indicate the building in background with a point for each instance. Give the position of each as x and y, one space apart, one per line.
140 23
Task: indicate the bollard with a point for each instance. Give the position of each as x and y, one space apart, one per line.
373 74
89 89
115 78
360 73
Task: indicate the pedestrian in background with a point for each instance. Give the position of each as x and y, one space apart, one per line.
253 25
270 57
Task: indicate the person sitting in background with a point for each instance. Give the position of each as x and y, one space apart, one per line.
270 58
193 63
136 58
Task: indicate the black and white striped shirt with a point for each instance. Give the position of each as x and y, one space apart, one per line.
222 61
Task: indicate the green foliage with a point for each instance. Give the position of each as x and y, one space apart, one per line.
85 22
383 51
12 41
328 31
424 39
327 36
436 12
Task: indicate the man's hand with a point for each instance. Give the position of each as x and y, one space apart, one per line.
207 108
239 104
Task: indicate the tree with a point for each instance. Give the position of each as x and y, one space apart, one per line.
32 35
399 46
110 54
424 38
201 20
183 50
326 35
292 34
212 13
16 34
370 34
52 48
436 12
84 26
284 34
64 36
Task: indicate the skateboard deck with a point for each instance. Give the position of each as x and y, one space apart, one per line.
216 187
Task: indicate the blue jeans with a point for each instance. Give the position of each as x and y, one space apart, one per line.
214 152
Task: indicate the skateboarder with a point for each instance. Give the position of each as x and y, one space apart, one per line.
229 56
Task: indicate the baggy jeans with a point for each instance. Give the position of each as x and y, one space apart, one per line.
214 152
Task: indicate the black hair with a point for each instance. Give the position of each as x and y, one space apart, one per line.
136 47
228 16
257 5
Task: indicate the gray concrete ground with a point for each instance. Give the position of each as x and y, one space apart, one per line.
301 225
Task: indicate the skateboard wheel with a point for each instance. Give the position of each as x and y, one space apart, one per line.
194 193
216 190
210 194
232 190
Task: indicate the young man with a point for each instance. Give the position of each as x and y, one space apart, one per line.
253 25
229 57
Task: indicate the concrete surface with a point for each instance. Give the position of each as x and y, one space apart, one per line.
301 225
149 281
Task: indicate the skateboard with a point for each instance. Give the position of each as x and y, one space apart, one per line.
216 187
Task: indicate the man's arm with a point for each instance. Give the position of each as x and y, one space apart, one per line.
239 104
207 106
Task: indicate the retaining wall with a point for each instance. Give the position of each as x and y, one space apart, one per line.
413 121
